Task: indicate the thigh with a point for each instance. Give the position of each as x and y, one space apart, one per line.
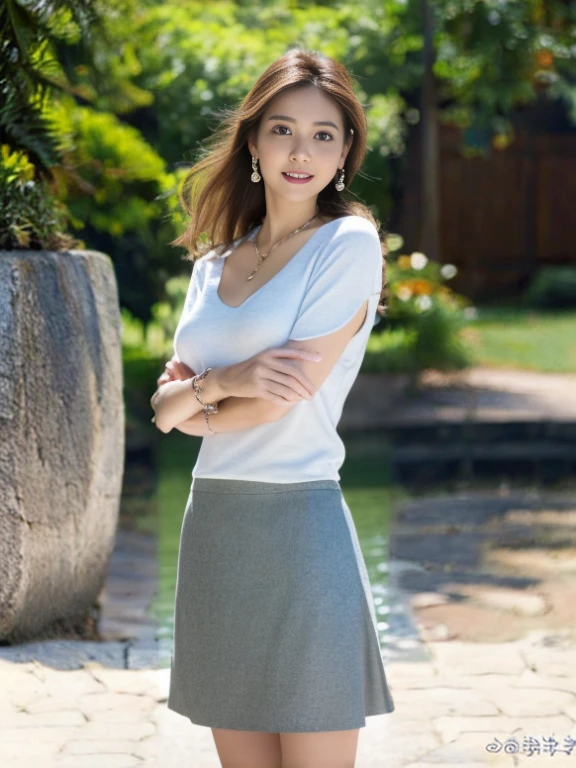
325 749
247 749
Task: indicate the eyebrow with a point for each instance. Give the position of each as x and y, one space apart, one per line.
292 120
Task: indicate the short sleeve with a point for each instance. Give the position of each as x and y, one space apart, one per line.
348 271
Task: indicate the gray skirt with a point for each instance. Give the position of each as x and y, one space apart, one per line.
274 623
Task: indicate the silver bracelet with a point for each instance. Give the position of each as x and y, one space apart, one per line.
208 408
208 422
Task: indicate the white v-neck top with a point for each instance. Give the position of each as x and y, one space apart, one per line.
317 292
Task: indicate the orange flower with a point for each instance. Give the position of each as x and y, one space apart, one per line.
419 287
545 59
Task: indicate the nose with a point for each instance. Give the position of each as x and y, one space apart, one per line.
300 152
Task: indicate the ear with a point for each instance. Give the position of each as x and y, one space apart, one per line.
251 145
345 150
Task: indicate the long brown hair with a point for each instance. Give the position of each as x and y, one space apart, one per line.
217 194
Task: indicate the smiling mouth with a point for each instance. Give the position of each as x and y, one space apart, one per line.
299 177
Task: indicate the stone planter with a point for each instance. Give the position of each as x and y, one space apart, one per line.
372 398
62 435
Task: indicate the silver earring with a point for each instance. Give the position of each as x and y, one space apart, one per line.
340 183
255 175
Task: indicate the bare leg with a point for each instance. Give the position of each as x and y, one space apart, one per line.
247 749
325 749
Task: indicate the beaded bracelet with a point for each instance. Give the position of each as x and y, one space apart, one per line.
208 408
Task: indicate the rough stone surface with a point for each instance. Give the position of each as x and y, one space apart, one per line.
62 435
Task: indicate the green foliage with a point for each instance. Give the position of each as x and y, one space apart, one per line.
147 346
33 36
552 288
157 335
30 215
135 88
424 317
493 56
199 58
392 351
120 198
430 340
122 175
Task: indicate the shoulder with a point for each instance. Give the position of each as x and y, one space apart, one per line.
203 262
353 238
210 255
199 267
350 227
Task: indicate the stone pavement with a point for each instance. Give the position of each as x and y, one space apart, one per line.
449 710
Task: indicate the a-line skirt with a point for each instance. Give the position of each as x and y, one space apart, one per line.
274 624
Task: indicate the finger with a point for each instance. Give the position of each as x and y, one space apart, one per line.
303 389
298 378
300 352
183 371
175 372
164 378
285 391
278 399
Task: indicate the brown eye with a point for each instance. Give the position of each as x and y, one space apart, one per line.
285 126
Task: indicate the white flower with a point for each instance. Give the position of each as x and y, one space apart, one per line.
404 293
418 260
424 302
448 271
470 313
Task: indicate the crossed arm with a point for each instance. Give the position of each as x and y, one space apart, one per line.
236 413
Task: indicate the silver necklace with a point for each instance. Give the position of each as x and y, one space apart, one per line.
262 256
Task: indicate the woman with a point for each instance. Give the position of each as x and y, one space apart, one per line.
275 638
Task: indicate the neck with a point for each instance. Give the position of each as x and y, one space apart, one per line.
276 227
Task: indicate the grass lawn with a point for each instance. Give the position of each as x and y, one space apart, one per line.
505 337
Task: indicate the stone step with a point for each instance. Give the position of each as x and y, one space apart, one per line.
482 431
536 450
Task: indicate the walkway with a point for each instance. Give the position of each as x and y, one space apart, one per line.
449 710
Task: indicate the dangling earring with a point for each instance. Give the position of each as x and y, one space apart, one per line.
340 183
255 175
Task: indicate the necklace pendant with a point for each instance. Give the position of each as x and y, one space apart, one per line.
262 256
255 269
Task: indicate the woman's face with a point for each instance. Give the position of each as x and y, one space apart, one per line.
300 130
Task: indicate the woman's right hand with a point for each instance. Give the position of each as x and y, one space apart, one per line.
175 370
271 376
